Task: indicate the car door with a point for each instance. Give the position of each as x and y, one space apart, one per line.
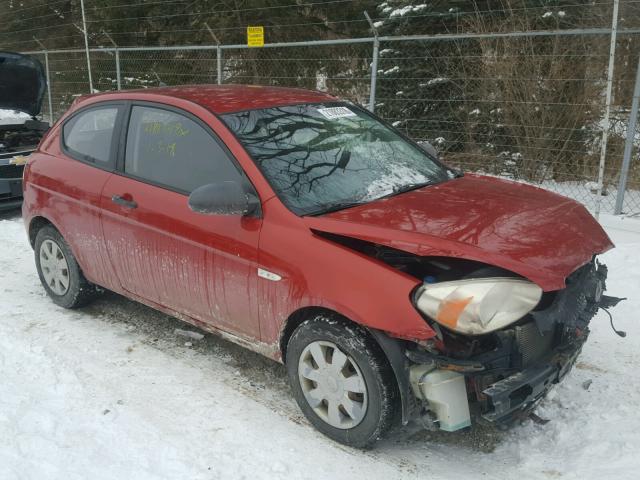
200 265
68 177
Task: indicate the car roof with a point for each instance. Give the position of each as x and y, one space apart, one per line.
223 98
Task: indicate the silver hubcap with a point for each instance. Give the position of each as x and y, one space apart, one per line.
55 269
332 384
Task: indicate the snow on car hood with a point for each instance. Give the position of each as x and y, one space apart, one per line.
13 117
22 83
530 231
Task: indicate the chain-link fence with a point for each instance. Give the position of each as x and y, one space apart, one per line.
628 172
525 106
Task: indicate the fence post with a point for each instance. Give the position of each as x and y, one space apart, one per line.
218 53
607 112
117 55
628 146
45 52
374 64
48 76
374 75
219 63
118 80
86 45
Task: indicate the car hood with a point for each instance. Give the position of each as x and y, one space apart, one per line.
22 83
527 230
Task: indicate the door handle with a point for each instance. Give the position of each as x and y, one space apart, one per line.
125 202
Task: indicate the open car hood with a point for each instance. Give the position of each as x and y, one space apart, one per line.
22 83
527 230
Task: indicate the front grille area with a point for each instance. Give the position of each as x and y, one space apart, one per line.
11 171
531 344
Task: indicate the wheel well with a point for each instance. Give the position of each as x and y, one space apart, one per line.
34 227
299 316
389 347
294 321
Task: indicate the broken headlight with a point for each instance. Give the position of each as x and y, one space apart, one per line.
480 305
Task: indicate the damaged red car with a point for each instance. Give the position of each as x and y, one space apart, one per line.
393 287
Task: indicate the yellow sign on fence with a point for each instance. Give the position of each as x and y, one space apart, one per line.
255 36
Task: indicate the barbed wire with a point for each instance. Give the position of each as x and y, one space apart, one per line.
414 15
592 5
478 12
217 12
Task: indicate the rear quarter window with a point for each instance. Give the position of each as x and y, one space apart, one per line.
88 135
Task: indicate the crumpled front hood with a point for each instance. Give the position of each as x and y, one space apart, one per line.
22 83
530 231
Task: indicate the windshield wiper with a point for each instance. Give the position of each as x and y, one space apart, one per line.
333 207
406 188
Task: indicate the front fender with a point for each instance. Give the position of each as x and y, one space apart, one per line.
316 272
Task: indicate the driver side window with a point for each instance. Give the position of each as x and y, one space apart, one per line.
169 149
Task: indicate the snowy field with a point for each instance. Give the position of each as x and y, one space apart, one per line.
111 392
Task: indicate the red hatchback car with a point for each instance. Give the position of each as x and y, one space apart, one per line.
305 228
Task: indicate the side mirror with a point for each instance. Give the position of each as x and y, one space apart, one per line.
430 149
224 198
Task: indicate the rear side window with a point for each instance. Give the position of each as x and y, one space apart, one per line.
170 149
88 135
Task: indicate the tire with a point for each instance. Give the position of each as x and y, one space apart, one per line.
363 417
52 254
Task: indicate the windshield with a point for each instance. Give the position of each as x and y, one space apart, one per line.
324 157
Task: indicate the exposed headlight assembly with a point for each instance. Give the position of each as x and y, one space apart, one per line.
480 305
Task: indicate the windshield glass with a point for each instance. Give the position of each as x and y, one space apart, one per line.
324 157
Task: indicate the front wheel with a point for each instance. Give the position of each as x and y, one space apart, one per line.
342 381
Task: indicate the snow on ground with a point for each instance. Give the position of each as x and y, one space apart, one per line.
585 192
110 391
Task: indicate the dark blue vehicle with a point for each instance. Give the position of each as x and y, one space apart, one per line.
22 87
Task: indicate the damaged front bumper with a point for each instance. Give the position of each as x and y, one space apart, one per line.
506 382
516 395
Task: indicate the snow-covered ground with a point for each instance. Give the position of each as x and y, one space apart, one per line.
111 392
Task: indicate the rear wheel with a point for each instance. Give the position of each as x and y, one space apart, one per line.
342 381
59 271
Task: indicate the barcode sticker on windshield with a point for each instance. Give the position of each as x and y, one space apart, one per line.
336 112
